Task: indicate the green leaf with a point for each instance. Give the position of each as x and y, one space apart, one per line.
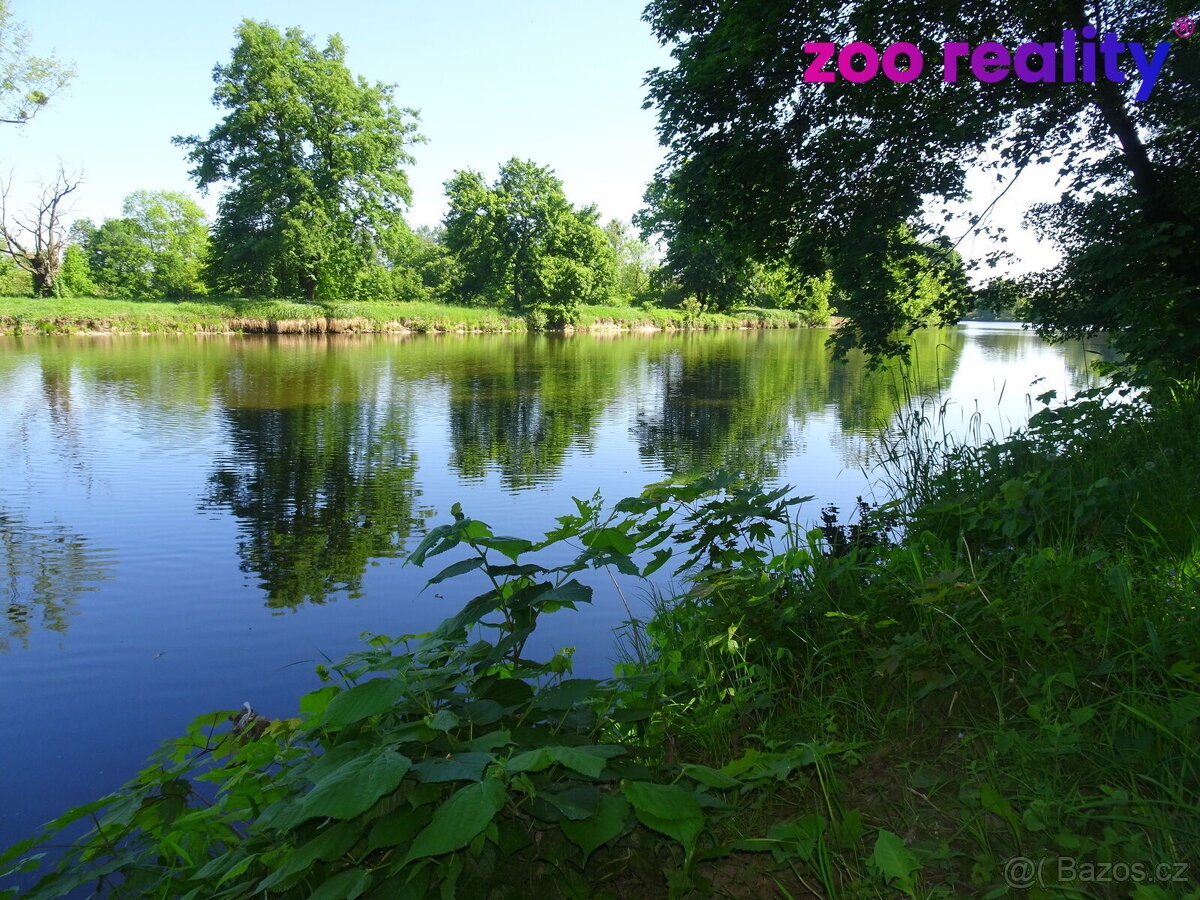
623 563
315 702
993 802
443 720
579 802
666 808
570 594
345 885
18 849
529 761
509 546
895 861
490 741
459 568
456 822
396 828
483 712
711 777
578 759
610 539
355 786
609 820
473 529
363 700
224 863
329 844
660 558
458 767
444 536
565 694
666 801
797 838
505 691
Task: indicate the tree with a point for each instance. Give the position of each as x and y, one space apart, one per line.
767 166
26 82
521 243
155 250
75 275
313 157
35 241
635 260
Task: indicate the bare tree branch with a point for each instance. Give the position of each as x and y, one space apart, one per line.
35 241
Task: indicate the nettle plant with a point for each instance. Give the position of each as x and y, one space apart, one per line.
435 764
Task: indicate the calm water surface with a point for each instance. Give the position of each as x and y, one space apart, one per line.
187 523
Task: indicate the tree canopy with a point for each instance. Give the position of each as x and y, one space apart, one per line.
764 166
520 241
312 158
155 250
26 82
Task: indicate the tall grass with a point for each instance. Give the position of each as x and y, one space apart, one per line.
1016 675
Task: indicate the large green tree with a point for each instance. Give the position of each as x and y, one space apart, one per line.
763 165
635 261
312 158
26 82
521 243
155 250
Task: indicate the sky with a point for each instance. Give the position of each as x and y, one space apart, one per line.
559 82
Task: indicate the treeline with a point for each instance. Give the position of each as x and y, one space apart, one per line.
310 161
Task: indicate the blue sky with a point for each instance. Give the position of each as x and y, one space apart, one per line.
555 81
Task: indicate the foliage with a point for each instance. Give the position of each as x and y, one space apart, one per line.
520 242
412 268
634 261
318 489
75 276
312 156
155 250
763 166
1002 296
26 82
14 281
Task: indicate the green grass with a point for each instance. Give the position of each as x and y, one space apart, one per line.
64 316
1015 676
633 317
91 314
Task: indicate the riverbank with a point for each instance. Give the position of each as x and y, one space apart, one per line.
24 315
914 700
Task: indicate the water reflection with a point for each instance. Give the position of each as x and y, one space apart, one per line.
740 402
518 406
316 441
43 571
321 477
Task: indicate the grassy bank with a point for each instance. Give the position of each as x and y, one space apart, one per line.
1003 664
24 315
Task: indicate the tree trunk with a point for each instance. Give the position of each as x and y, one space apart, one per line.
43 282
